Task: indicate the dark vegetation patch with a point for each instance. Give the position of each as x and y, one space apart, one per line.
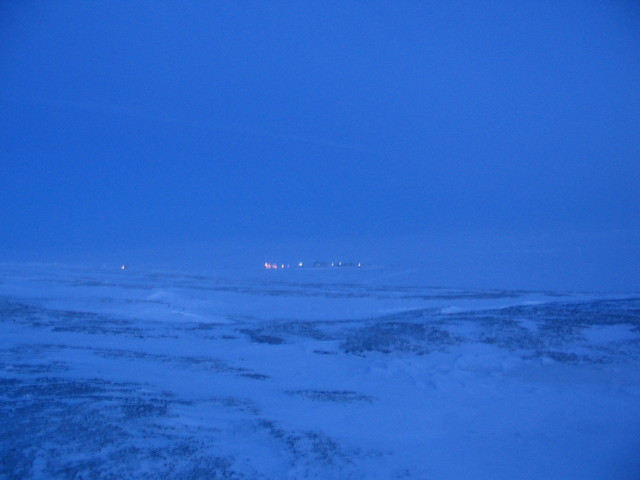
276 333
565 357
578 315
337 396
257 336
240 404
91 428
389 337
309 448
33 368
255 376
559 329
70 320
199 362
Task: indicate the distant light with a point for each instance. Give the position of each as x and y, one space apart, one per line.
299 264
123 267
359 264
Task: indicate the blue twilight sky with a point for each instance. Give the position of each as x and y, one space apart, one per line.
495 143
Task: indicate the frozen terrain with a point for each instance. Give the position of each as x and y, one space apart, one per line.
110 374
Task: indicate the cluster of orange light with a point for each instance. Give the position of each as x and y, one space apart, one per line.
274 266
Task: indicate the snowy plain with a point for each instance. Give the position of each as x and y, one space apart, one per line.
311 373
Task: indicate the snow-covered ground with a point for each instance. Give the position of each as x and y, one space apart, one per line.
320 374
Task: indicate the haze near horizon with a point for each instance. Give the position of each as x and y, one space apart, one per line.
491 145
